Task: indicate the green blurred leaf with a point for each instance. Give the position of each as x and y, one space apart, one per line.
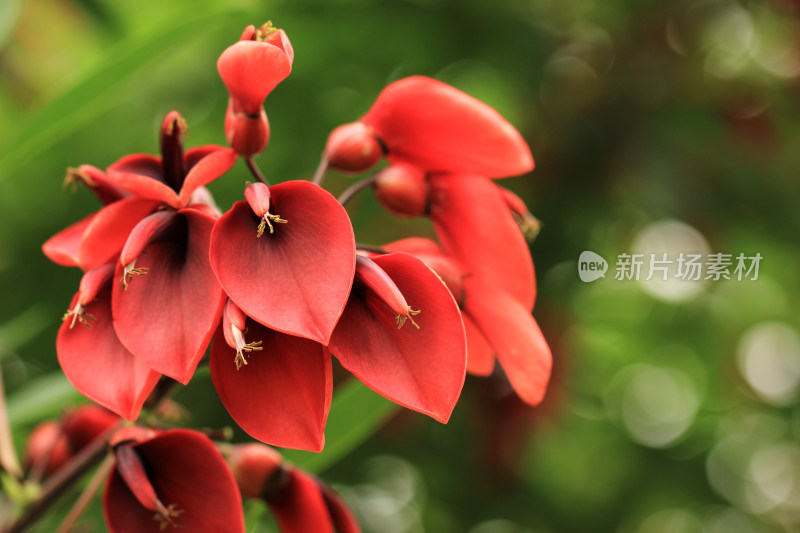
98 89
356 413
41 398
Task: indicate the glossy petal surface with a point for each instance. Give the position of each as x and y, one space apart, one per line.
282 396
63 248
99 366
167 316
202 172
422 369
297 279
474 225
439 128
188 472
514 335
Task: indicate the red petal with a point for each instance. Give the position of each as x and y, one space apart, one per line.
282 396
206 170
439 128
422 369
300 507
106 235
63 247
166 317
251 70
515 337
480 356
141 175
297 279
99 366
474 225
187 471
342 516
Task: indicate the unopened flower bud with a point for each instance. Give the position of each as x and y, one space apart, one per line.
257 468
353 148
402 190
47 448
87 422
246 133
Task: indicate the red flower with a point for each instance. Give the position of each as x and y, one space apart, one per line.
255 65
99 237
301 503
92 356
250 69
286 257
495 321
167 315
434 126
283 395
175 176
176 479
476 227
416 356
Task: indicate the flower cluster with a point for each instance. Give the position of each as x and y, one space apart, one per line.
277 285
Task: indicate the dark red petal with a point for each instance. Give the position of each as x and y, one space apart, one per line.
188 472
206 170
282 395
342 516
422 369
297 279
106 235
474 225
99 366
167 316
439 128
141 175
251 70
480 356
63 248
514 335
300 507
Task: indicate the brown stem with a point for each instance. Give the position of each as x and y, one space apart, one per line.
371 248
354 189
88 493
255 171
319 175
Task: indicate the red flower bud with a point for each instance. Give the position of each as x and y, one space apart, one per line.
402 190
252 67
257 469
247 134
353 148
87 422
47 448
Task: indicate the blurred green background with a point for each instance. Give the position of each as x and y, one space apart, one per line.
656 126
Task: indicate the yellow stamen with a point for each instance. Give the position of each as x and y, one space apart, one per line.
129 271
243 347
165 516
265 31
401 319
78 314
75 175
267 220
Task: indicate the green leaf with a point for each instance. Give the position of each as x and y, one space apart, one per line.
41 398
98 90
356 413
